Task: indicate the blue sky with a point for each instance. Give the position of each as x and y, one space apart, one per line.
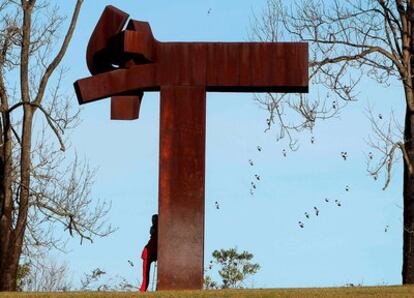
342 245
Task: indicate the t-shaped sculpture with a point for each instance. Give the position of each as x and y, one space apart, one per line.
127 63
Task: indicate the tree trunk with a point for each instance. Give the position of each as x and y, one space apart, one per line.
408 193
9 261
12 230
13 227
9 254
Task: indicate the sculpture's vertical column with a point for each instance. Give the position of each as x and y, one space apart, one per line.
181 188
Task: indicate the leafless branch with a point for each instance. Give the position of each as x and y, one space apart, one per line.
283 108
348 40
56 61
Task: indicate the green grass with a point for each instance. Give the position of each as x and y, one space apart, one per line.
373 292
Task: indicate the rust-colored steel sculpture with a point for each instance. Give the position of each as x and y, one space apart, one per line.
127 63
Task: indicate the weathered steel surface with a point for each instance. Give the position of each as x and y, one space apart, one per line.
98 57
181 187
125 107
231 67
127 63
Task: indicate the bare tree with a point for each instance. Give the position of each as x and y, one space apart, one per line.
39 188
48 275
44 276
98 280
291 114
350 39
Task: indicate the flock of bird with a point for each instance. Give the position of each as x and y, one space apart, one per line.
315 210
256 176
337 202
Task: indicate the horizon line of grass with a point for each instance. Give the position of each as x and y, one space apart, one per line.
342 292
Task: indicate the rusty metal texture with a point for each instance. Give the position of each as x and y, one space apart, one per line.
181 187
127 63
226 67
111 23
125 107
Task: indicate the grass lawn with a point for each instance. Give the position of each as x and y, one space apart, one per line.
373 292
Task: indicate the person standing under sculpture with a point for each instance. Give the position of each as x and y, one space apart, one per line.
149 253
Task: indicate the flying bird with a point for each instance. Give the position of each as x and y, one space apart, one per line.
344 155
268 122
316 211
217 205
259 148
347 188
370 155
380 116
251 162
326 200
312 140
301 224
257 177
130 263
253 185
306 215
284 152
209 11
386 229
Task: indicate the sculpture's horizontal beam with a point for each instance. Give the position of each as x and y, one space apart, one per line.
235 67
218 65
232 67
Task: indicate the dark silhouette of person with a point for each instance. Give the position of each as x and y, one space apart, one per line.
149 253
